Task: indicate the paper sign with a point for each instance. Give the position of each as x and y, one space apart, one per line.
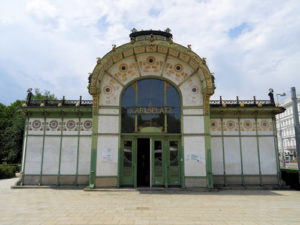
195 157
107 154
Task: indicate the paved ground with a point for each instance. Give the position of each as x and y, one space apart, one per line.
52 206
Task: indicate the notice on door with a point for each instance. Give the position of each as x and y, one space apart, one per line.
107 154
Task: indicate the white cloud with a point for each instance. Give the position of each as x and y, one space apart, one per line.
54 44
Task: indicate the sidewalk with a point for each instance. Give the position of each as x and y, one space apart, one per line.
227 207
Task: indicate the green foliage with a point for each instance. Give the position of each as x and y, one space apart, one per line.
8 171
12 123
38 95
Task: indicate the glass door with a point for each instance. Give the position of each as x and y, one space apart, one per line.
173 162
157 162
127 162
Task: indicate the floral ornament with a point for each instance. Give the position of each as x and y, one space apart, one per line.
70 124
247 124
214 125
265 125
87 124
53 124
230 124
36 124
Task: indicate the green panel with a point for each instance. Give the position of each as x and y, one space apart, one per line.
173 161
157 162
127 162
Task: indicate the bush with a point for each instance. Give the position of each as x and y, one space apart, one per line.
8 171
291 177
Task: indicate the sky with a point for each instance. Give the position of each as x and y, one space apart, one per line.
250 45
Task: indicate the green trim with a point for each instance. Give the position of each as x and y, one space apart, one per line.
241 152
245 175
106 176
193 107
137 64
234 135
109 107
193 115
199 134
149 134
58 135
106 114
164 65
105 134
78 146
209 178
258 152
60 149
223 150
92 179
276 150
195 177
24 150
43 148
35 111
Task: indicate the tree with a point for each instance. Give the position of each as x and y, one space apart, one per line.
12 123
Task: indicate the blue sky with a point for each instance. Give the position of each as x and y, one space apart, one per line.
250 45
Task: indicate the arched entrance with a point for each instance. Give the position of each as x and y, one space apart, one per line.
150 150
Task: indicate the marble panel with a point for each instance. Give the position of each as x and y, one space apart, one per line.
68 155
84 155
194 156
215 127
108 111
108 124
232 155
217 156
33 155
250 155
110 91
51 155
151 63
53 126
36 126
230 127
192 111
176 70
107 156
125 70
248 126
265 126
267 155
193 124
191 92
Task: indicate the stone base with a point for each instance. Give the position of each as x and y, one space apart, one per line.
106 181
53 180
195 182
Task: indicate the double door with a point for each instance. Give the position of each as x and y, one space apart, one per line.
148 162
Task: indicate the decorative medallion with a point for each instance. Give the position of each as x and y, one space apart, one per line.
195 89
87 124
247 124
107 90
70 124
150 59
230 124
53 124
123 67
213 125
178 67
36 124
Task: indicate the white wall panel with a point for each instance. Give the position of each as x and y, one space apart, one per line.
193 124
267 155
217 156
108 124
232 155
194 146
84 156
250 155
107 167
192 111
51 155
68 155
33 155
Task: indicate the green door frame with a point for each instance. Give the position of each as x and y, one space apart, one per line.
165 139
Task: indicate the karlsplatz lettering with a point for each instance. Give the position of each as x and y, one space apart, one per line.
150 110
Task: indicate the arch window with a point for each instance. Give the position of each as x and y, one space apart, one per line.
150 105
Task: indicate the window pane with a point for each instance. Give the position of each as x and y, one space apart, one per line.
157 158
